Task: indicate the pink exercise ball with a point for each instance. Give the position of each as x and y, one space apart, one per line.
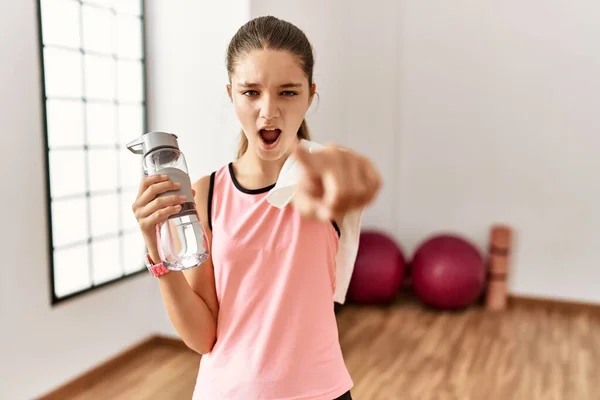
448 272
378 271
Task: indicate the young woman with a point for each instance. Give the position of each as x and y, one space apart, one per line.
260 310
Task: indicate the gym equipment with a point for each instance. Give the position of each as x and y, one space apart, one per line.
378 271
448 272
500 246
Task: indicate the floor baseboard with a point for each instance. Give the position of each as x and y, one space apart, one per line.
170 341
89 378
568 306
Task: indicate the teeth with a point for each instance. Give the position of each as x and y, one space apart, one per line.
270 129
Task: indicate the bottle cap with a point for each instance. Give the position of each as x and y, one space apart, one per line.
151 141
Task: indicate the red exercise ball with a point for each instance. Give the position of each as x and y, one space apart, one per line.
378 271
448 272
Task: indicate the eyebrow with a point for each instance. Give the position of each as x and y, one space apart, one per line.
285 85
291 85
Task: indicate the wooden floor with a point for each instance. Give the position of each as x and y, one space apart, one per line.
528 353
162 371
406 352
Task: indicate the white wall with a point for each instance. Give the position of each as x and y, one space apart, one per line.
414 84
519 82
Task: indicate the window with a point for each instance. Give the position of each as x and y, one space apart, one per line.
93 82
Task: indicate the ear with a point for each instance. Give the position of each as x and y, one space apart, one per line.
229 92
313 91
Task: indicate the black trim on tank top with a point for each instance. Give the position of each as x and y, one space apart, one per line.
337 228
211 187
249 191
243 189
345 396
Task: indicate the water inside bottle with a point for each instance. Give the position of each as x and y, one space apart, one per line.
183 242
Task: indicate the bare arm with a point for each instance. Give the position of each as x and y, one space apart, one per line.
189 297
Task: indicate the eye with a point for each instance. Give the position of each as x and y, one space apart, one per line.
289 93
250 93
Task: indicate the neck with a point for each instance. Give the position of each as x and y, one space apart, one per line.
258 172
267 170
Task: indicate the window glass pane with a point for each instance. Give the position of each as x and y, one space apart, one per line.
104 214
103 169
131 122
128 7
65 123
129 37
131 126
71 270
130 222
98 29
60 23
101 123
101 3
130 76
94 104
99 77
62 69
106 260
134 250
67 172
69 221
131 172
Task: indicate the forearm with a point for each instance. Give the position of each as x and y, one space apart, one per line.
188 312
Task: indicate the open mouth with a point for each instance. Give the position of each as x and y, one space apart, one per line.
269 135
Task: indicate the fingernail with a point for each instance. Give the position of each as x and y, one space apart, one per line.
164 176
182 198
177 184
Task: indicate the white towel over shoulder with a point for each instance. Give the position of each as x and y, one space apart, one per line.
283 192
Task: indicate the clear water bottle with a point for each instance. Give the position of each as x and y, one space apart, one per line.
181 239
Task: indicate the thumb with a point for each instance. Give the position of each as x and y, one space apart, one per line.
303 156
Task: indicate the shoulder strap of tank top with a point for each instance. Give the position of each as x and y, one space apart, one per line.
336 227
211 187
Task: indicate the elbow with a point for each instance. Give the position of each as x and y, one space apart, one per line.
206 347
202 345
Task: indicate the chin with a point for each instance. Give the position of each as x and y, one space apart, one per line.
273 154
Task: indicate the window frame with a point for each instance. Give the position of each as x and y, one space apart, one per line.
54 299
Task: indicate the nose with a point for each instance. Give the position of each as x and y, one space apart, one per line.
269 108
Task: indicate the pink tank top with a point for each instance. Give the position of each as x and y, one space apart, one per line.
277 334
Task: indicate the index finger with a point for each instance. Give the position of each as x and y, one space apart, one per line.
150 180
